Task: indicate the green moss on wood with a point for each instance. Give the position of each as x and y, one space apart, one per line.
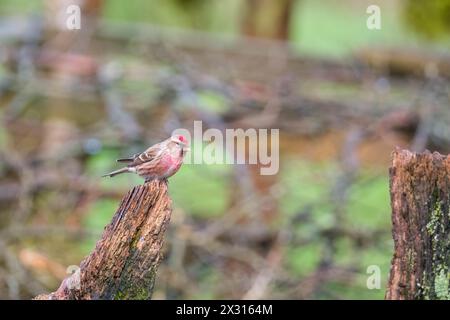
434 224
435 283
136 293
441 285
140 290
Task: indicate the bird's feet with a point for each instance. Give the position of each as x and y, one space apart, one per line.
158 180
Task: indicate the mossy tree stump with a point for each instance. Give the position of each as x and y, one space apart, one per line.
420 200
125 260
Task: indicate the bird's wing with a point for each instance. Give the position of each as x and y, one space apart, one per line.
146 156
129 159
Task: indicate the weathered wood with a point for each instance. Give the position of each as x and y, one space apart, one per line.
420 200
125 260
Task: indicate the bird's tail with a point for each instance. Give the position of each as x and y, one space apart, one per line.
112 174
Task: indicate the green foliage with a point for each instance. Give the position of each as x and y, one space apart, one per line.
200 189
304 183
206 288
379 255
304 260
97 217
213 102
214 15
337 28
102 163
369 204
198 194
308 187
430 18
20 6
325 28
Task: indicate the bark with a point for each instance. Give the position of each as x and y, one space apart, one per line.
420 200
267 19
125 260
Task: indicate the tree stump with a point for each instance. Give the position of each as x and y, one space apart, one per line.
125 260
420 200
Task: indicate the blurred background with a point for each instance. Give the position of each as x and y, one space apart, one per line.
343 97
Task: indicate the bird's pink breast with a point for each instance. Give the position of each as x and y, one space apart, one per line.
170 165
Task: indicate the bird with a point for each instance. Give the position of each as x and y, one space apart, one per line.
158 162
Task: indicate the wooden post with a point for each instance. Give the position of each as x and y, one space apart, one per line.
420 200
125 260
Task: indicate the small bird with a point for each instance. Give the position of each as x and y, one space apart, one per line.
159 161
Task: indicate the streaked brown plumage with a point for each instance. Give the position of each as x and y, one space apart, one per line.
160 161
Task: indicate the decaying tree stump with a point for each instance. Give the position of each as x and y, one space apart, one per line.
420 200
125 260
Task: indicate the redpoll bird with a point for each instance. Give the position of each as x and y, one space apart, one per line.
160 161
